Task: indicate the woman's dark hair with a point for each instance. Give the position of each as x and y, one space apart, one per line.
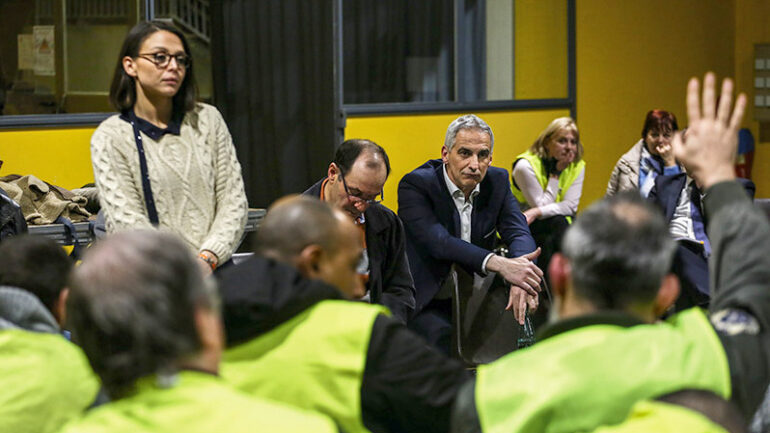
659 120
123 87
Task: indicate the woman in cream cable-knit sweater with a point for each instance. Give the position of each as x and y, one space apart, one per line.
194 175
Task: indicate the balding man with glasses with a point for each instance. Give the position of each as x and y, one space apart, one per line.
354 184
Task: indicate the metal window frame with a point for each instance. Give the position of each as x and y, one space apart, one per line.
570 102
92 119
25 121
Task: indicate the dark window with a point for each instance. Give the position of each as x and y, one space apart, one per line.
58 57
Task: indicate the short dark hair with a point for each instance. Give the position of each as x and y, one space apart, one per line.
659 120
285 231
35 264
132 306
123 87
620 250
349 151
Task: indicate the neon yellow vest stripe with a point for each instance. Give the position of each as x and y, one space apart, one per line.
45 381
566 178
314 361
195 402
659 417
591 376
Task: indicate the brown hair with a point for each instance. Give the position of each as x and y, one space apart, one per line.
123 87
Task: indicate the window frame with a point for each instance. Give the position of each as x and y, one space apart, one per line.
23 121
570 102
463 105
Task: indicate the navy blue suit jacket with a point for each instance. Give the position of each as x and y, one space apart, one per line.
432 226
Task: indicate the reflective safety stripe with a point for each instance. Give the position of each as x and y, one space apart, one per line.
659 417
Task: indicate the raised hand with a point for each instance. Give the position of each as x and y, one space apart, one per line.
709 149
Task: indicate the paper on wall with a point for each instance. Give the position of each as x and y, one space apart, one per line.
45 50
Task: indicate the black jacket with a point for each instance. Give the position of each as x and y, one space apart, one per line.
407 386
390 280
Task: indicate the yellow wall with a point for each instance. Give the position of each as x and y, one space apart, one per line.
58 156
636 56
752 25
410 140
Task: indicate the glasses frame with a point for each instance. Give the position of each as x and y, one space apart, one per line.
355 198
187 64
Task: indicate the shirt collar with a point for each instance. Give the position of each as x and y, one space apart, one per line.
456 192
152 131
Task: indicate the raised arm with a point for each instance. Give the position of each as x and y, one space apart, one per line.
739 234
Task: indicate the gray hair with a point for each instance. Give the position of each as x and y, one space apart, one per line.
468 121
132 306
620 250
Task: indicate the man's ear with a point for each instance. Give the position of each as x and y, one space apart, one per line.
308 261
129 66
332 172
668 293
560 272
444 154
60 306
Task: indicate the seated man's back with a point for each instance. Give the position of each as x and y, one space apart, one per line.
292 337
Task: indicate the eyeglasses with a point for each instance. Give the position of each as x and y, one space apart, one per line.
357 197
162 59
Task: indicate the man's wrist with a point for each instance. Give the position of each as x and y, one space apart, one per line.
716 176
486 262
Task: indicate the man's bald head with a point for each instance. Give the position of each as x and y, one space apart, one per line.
294 222
320 241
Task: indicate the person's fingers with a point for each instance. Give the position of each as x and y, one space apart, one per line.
740 108
677 146
528 288
693 101
532 303
725 100
709 82
537 271
535 282
533 255
522 309
510 298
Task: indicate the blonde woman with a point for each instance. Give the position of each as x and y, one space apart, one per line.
548 182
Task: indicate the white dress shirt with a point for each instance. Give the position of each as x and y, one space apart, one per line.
465 209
